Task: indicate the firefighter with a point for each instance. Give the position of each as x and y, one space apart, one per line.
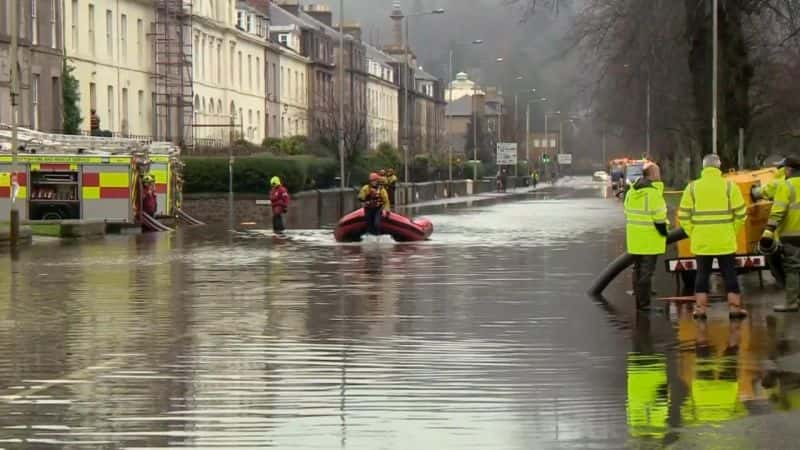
375 200
391 186
149 197
712 213
279 200
646 230
784 224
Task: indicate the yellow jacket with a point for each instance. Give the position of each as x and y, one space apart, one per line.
771 189
374 197
712 213
785 214
644 208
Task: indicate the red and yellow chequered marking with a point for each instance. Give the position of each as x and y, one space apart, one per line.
106 186
5 184
161 180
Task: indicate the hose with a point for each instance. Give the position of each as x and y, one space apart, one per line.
624 261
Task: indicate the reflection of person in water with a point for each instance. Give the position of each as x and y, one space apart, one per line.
648 387
714 383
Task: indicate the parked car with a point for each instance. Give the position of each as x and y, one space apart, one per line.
600 176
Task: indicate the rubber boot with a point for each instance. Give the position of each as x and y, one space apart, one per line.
701 303
737 310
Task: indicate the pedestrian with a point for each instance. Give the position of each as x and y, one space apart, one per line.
375 200
646 231
279 200
712 212
535 178
503 180
94 123
391 187
784 224
149 197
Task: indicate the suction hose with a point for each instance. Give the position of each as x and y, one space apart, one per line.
623 262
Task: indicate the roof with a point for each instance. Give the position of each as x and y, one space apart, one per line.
377 55
420 74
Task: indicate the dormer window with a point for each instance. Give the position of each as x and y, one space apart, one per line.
240 19
283 39
249 28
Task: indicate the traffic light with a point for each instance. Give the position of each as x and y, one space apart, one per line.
545 158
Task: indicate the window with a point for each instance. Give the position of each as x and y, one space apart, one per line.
249 23
53 37
195 67
34 24
240 70
110 111
274 82
258 77
303 88
139 40
249 72
297 86
74 25
125 125
239 19
123 31
35 98
91 30
283 85
109 30
230 62
219 63
140 103
92 96
201 57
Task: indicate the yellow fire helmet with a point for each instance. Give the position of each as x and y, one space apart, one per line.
275 181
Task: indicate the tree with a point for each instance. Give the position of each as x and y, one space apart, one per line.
355 135
70 97
660 41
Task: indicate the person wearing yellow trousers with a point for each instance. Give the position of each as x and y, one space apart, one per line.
646 230
784 225
712 213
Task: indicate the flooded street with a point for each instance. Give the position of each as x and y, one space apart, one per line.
482 338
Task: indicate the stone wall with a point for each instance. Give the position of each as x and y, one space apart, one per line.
320 208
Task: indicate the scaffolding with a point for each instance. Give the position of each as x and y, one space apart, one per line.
174 93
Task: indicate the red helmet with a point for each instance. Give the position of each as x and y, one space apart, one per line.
374 177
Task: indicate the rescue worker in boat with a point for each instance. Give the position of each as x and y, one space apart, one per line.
784 225
279 200
391 186
646 230
375 200
712 212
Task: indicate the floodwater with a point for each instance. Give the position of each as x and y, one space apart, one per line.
482 338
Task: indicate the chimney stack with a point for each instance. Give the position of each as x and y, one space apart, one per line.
320 12
397 24
353 30
291 6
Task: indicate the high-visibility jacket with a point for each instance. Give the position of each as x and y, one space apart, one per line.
644 208
771 189
785 214
712 213
374 197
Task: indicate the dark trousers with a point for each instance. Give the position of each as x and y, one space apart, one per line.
277 223
791 268
392 191
644 266
373 218
727 266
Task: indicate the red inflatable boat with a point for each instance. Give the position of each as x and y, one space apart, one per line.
353 226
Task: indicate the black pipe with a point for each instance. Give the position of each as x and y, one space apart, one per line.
623 262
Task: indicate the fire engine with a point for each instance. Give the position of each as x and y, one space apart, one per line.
62 177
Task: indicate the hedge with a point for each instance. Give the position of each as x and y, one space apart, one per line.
251 174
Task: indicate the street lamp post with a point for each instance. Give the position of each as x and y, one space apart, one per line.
407 131
13 58
341 94
715 80
528 128
546 131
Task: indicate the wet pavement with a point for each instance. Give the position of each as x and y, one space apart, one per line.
482 338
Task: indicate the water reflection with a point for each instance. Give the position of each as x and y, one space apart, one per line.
482 338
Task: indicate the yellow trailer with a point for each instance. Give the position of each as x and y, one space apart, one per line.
747 257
